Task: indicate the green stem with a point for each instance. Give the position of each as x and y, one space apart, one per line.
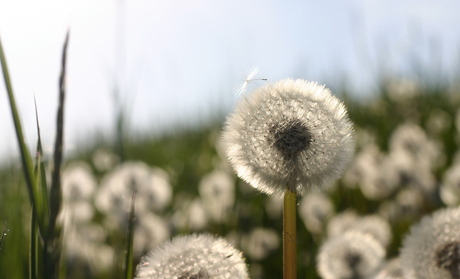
289 235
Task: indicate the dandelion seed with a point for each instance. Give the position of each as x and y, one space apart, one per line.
248 79
193 257
291 135
432 249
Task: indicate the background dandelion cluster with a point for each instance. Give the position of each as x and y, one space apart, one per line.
407 166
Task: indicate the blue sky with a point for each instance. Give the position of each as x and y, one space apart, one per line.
182 59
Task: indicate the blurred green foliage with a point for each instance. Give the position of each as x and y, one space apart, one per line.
189 154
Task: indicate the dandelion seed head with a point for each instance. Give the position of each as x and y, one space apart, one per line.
391 270
432 249
375 226
315 209
78 182
450 188
292 134
350 255
260 243
217 190
193 257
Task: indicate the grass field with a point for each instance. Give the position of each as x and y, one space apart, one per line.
406 167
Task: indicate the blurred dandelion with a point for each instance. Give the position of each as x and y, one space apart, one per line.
78 182
194 256
78 187
402 90
291 135
86 251
362 167
104 160
217 191
274 206
350 255
152 185
412 140
432 249
191 215
391 270
341 222
149 231
382 181
260 243
375 226
372 225
407 205
315 210
450 188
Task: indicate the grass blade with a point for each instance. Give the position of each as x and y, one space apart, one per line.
53 245
2 237
34 249
130 239
26 160
40 171
55 192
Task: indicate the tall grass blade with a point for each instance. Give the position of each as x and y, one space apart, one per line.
26 160
53 243
40 171
130 240
36 248
34 251
2 237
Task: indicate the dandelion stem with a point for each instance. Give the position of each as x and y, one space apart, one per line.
289 235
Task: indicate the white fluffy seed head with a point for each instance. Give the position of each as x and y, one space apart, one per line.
292 134
432 249
350 255
194 256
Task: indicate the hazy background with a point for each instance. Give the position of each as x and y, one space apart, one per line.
179 61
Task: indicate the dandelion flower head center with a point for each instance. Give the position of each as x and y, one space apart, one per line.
290 139
353 259
448 258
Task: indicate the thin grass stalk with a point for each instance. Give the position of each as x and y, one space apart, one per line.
53 238
130 241
34 254
289 235
2 237
35 198
41 171
36 248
